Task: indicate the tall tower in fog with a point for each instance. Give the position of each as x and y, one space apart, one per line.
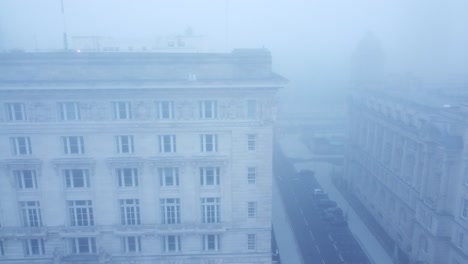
368 63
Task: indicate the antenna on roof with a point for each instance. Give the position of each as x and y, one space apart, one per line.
65 39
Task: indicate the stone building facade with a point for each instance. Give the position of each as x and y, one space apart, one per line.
407 162
136 157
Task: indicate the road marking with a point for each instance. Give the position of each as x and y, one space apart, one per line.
312 235
323 261
305 220
318 250
302 212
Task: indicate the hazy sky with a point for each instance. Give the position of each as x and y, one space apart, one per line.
311 40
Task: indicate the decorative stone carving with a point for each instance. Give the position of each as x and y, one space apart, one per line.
104 257
231 109
40 112
186 110
142 110
57 255
94 111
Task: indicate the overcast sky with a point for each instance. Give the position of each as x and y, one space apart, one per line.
311 40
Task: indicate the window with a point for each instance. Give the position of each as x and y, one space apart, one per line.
2 249
122 110
251 241
130 211
168 176
81 212
209 176
131 244
251 209
464 209
208 109
251 142
83 245
128 177
69 111
251 175
210 210
124 144
171 243
251 109
77 178
34 247
211 242
21 146
460 238
25 179
16 112
170 211
31 213
209 143
167 143
73 145
165 110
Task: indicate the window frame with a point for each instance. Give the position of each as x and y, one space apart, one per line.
130 213
166 173
31 213
69 175
165 110
122 110
128 248
210 176
211 210
16 115
167 243
252 109
80 212
21 180
209 143
167 144
70 148
76 246
170 211
125 144
19 149
29 248
252 175
208 109
127 177
251 142
211 246
69 111
251 209
251 241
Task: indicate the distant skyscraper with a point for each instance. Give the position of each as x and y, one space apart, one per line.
136 157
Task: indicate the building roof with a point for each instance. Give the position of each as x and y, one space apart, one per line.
101 68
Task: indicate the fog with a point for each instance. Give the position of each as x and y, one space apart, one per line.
312 42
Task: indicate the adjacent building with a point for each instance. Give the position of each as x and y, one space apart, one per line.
136 157
407 161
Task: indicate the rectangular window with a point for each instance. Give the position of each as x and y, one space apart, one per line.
210 210
131 244
16 111
77 178
209 176
124 144
73 145
34 247
31 213
252 209
69 111
464 209
21 146
25 179
211 242
83 245
127 177
251 242
130 211
122 110
165 110
251 109
209 143
167 143
251 175
171 243
168 176
170 211
81 212
208 109
251 142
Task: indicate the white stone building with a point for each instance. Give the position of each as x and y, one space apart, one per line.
407 162
136 157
